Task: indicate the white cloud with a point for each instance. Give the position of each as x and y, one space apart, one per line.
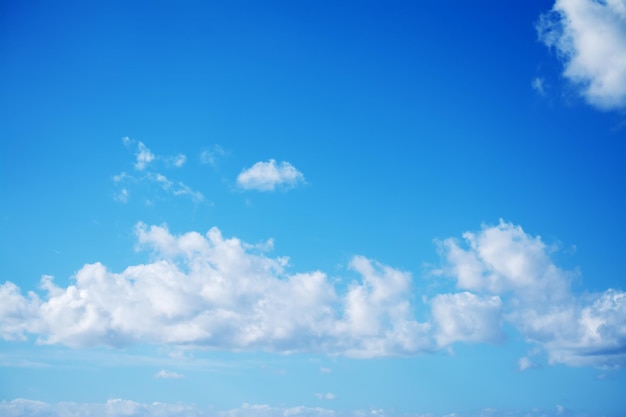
467 317
112 408
163 374
538 84
211 156
125 408
208 290
525 363
267 176
179 160
143 155
537 298
325 396
122 196
325 370
590 37
175 188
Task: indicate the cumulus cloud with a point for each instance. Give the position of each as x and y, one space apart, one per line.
163 374
590 37
212 291
504 261
467 317
267 176
208 290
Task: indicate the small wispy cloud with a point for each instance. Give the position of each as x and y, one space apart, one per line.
210 156
538 84
143 155
325 370
144 163
163 374
178 160
524 363
267 176
325 396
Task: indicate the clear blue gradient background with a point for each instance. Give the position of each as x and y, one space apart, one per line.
411 121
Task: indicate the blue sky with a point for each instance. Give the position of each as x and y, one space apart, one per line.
313 208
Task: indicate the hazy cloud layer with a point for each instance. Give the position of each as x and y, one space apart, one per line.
268 176
126 408
590 37
208 290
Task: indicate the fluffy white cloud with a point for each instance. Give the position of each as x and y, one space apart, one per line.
590 37
212 291
207 290
267 176
504 261
467 317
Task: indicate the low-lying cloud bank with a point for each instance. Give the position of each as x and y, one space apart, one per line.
222 293
126 408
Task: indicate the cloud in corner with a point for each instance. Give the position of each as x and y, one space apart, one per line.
268 176
590 38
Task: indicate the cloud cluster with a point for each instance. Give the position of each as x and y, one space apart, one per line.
590 37
267 176
217 292
503 264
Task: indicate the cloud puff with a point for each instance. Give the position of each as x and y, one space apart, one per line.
590 37
503 261
525 363
163 374
538 84
143 155
267 176
467 317
220 292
